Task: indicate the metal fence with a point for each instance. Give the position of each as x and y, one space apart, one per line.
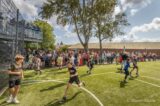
14 31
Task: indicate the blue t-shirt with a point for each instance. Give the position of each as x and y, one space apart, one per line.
127 66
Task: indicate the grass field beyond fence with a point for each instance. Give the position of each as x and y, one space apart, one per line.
104 83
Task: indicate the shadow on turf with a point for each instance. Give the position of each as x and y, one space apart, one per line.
122 84
57 102
52 87
3 103
61 72
7 104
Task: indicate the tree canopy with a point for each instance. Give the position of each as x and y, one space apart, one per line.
88 17
48 35
77 13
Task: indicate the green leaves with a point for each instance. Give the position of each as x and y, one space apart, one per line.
77 13
88 17
48 36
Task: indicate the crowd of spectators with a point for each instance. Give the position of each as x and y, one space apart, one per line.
79 58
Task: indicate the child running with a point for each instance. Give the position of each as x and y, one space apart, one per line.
37 64
126 69
73 78
90 66
60 61
135 66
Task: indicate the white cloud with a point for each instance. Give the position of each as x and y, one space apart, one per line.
36 2
137 39
29 8
70 35
117 10
134 3
154 25
133 35
133 6
133 12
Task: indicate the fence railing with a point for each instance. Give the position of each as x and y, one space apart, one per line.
25 31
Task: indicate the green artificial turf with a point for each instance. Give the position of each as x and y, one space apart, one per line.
105 83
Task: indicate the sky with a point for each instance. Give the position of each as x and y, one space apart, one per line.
143 16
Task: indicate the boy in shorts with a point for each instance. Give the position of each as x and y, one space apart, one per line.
135 66
73 78
90 65
15 73
126 70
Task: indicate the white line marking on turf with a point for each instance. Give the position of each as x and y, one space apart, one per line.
151 78
155 85
44 81
3 90
100 103
148 83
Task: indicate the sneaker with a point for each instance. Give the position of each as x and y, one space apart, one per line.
15 101
10 99
87 72
63 99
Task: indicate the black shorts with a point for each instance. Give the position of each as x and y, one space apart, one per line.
126 72
13 83
74 79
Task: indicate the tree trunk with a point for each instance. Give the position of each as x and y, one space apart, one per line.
100 40
101 49
85 47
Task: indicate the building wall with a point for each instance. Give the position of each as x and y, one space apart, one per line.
157 51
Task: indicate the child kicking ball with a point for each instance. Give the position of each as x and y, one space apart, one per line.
73 78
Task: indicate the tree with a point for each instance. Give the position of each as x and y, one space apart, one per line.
77 13
48 36
61 43
64 48
106 25
32 45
